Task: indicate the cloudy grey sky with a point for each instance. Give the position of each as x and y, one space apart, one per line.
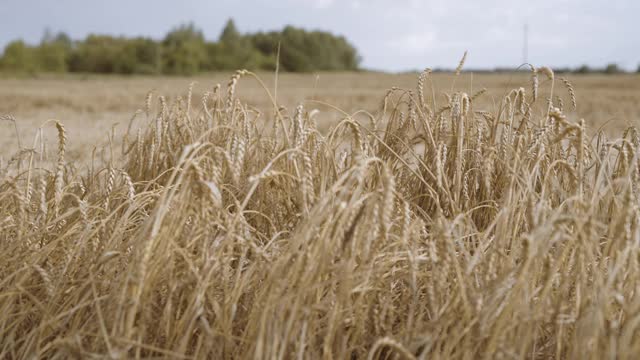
392 35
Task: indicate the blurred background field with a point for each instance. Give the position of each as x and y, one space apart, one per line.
94 82
90 106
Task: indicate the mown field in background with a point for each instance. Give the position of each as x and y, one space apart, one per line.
91 105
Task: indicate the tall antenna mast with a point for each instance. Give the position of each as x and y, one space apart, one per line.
525 46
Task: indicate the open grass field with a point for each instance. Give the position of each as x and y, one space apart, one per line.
443 222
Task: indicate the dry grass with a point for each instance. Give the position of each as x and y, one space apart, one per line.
422 229
90 106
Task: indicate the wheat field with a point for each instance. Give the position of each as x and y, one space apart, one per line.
91 106
440 219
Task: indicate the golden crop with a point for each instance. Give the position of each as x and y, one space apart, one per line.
432 228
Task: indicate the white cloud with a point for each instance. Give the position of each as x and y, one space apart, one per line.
322 4
414 42
318 4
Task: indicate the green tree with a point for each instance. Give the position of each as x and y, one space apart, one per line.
301 50
230 34
184 51
18 57
234 51
584 69
612 69
97 53
138 56
106 54
64 40
149 56
54 52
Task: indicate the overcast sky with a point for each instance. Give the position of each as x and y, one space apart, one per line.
392 35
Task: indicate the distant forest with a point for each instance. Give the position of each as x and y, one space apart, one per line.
183 51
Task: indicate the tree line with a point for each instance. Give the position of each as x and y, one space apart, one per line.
184 51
